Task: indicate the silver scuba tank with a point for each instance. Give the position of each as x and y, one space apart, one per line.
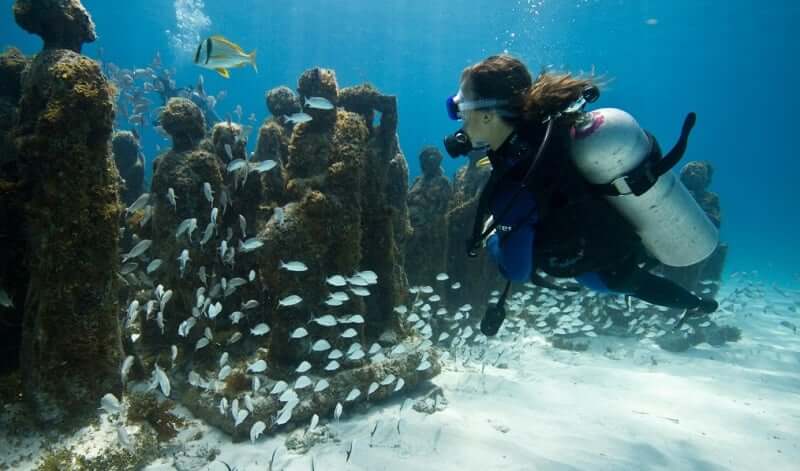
607 147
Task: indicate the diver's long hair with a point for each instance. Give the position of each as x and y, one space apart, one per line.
504 77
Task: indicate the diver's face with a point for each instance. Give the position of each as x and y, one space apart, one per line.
478 124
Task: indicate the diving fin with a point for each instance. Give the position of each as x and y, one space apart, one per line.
495 315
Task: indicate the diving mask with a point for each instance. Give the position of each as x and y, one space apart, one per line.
456 105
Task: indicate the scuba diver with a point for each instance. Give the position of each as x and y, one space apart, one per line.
575 194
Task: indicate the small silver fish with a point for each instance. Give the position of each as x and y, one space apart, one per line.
187 225
236 282
236 165
208 192
110 404
126 367
290 300
352 395
183 259
357 280
137 250
208 233
140 203
243 225
321 385
280 387
250 244
369 276
325 321
298 333
251 304
256 430
318 103
257 367
349 333
163 380
240 417
260 329
228 151
264 166
336 280
293 266
129 267
279 215
133 311
298 118
172 198
153 265
224 200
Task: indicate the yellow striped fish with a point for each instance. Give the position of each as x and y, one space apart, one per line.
220 54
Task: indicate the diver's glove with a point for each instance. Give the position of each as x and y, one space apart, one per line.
492 320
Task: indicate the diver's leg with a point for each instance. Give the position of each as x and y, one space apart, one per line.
655 289
513 253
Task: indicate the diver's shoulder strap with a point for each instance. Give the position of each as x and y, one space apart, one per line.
644 176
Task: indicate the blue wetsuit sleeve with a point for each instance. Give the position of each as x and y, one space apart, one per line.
513 253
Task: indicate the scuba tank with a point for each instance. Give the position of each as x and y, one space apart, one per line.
623 162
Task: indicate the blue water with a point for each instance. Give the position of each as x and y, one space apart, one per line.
733 62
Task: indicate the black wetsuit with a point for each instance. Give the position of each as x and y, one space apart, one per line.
561 225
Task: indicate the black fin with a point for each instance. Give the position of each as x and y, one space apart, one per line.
208 49
197 54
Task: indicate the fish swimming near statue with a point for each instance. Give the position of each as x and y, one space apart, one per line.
220 54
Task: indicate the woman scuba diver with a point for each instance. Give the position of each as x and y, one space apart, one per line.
577 194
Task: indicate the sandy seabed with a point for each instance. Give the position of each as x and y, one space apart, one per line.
622 405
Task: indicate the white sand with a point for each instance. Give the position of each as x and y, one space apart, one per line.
636 407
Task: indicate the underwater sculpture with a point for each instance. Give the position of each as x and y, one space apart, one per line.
13 277
71 347
277 275
130 164
428 200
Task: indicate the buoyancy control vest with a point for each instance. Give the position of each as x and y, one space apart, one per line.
577 230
